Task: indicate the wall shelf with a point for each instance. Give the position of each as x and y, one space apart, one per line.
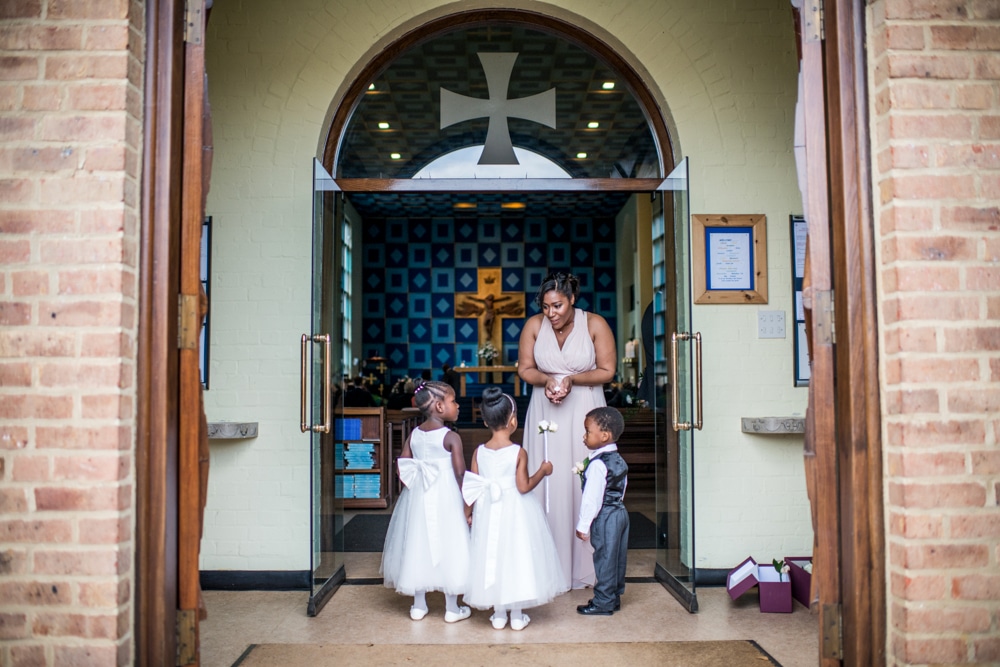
231 430
774 425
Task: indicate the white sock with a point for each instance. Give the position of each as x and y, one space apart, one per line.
498 614
420 600
515 612
451 603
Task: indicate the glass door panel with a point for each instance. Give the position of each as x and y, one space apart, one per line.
321 362
675 372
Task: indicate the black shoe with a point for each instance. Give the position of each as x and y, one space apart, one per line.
617 607
591 610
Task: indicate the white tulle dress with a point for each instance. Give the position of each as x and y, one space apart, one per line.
427 542
514 563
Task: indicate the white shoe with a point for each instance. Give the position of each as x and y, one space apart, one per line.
454 617
416 613
519 623
499 622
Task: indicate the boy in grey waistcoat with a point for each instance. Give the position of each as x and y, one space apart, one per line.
603 517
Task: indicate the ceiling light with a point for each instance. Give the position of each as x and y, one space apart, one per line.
513 205
464 205
608 85
581 156
395 156
371 86
383 125
593 125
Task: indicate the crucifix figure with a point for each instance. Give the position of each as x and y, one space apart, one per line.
489 304
498 149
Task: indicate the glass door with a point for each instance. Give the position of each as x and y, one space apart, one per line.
321 365
677 370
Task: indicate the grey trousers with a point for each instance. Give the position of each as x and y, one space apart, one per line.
609 536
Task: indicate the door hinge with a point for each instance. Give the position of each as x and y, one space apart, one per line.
187 321
812 18
825 326
187 646
832 638
194 21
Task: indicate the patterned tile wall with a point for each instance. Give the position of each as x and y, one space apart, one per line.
412 268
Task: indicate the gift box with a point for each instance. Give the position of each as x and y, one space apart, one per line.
741 578
775 590
800 570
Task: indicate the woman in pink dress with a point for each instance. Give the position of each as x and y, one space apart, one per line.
567 355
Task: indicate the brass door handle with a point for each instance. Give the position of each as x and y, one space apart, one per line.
327 424
675 390
697 380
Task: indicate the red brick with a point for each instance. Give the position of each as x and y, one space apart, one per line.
970 218
11 97
21 9
989 127
991 252
26 655
105 221
79 67
910 401
947 67
905 37
946 556
933 187
61 499
937 650
926 9
79 563
30 468
35 592
81 128
13 561
918 433
923 278
88 9
36 222
106 406
976 587
13 437
916 526
13 501
86 656
60 625
81 314
908 218
97 97
81 251
44 159
91 281
926 464
987 66
19 406
954 126
18 68
91 468
986 463
106 38
909 157
103 594
105 158
15 374
104 531
940 495
43 97
30 283
986 651
55 38
13 626
939 620
913 307
983 279
975 97
909 94
13 129
994 370
75 437
19 190
985 9
976 525
978 156
931 587
37 344
106 345
15 314
36 531
965 37
974 401
75 374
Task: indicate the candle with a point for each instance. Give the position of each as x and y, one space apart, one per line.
630 349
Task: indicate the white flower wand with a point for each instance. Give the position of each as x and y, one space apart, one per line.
545 427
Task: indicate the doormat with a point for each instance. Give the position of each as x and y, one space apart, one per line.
366 532
732 653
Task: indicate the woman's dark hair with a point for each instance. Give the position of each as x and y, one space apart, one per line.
565 283
428 391
497 408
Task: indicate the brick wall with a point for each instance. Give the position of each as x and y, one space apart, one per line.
935 92
70 145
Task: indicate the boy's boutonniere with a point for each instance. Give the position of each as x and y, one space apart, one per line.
580 468
544 428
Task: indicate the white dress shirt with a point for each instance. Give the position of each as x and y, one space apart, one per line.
593 490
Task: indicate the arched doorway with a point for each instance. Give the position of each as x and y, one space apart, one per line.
495 83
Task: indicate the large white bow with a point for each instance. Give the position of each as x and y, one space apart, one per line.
474 488
412 472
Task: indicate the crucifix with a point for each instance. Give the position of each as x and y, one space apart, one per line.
490 304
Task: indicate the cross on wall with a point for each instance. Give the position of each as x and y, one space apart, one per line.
490 305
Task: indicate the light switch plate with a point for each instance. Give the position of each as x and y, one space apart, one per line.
770 324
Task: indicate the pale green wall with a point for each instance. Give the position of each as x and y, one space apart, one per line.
725 75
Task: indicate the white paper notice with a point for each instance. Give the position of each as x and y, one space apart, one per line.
804 369
730 261
799 229
800 311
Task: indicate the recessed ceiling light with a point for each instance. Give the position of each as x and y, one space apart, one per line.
513 205
581 156
371 86
593 125
464 204
608 85
395 156
383 125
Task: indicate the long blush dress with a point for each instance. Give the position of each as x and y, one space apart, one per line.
565 445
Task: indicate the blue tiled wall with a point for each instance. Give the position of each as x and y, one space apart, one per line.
413 267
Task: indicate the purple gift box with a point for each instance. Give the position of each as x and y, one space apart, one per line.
775 590
801 577
742 578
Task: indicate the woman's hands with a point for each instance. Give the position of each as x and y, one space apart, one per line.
557 391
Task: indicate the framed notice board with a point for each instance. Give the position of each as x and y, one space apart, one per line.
798 235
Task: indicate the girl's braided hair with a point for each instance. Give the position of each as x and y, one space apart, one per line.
428 391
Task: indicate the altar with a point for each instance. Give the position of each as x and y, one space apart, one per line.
495 371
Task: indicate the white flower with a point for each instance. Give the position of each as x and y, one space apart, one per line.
578 467
553 427
546 425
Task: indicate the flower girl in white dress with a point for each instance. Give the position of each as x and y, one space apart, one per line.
513 560
427 543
